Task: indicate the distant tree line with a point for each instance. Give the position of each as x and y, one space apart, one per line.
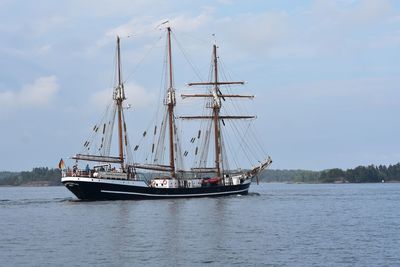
6 174
301 176
37 175
360 174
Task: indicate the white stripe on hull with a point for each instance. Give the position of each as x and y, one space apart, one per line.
112 181
104 180
175 195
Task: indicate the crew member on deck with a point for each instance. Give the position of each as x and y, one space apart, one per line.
74 169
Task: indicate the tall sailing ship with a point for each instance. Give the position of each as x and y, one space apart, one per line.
108 177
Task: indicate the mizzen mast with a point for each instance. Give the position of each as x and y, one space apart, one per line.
217 95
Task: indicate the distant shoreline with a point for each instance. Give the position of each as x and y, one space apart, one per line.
43 176
49 184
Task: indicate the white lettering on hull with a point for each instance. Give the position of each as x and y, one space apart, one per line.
103 180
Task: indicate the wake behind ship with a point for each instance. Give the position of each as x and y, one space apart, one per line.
107 177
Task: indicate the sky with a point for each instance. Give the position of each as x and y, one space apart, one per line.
325 73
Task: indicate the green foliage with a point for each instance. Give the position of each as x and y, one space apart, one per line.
6 174
360 174
42 174
302 176
332 175
373 174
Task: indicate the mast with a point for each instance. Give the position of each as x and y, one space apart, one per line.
216 96
216 109
171 101
119 98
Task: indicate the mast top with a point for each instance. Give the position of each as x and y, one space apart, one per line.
119 94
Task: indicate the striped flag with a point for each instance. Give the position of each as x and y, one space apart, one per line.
61 165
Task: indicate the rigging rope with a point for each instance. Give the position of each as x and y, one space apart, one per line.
136 67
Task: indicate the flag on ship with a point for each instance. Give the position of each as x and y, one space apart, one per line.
61 164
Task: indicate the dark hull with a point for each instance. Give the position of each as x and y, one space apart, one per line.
104 191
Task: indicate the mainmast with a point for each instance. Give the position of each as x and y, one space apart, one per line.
119 97
171 102
216 110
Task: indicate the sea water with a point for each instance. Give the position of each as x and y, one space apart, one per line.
274 225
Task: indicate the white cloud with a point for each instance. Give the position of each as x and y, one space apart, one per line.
272 30
144 27
255 33
120 8
350 13
369 92
225 2
44 49
100 99
326 28
185 23
139 27
47 24
391 39
36 95
136 95
369 11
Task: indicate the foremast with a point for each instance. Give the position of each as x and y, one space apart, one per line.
106 126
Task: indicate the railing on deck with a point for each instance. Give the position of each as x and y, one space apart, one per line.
99 174
79 173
